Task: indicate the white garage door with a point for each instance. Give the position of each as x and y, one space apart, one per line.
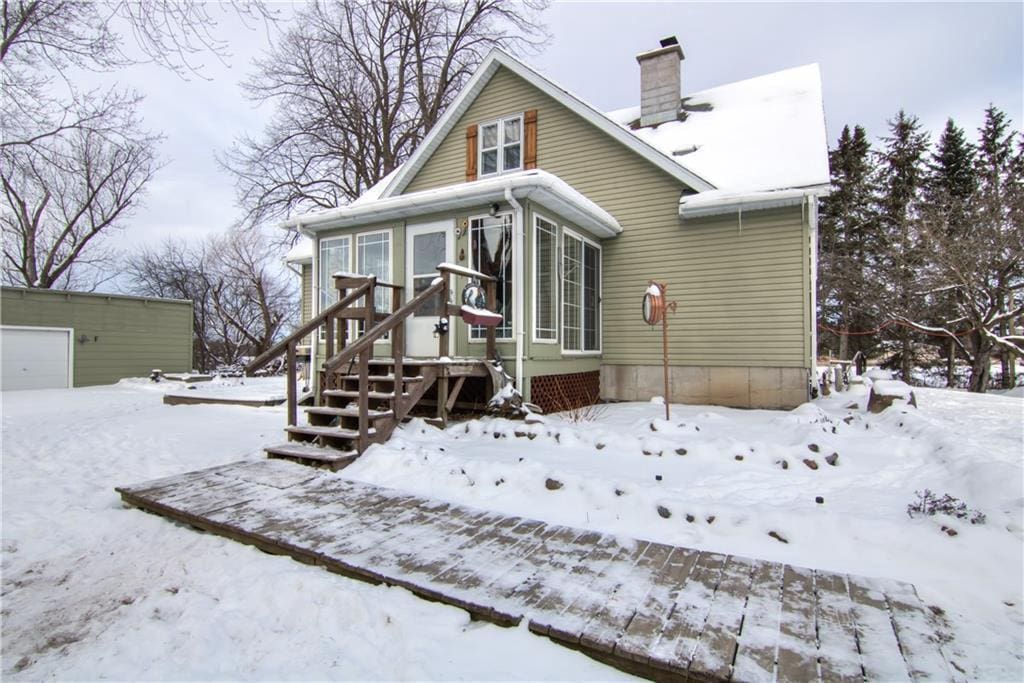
35 358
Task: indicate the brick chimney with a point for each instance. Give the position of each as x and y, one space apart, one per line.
660 88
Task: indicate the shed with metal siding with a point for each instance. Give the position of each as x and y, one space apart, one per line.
114 336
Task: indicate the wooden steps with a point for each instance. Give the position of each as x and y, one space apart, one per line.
317 432
349 412
309 454
354 393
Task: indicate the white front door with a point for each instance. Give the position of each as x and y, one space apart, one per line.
426 246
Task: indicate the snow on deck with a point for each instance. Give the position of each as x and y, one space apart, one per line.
642 606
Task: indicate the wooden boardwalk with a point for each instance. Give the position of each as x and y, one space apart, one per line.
647 608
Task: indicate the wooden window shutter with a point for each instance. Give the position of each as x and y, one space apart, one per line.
530 139
471 153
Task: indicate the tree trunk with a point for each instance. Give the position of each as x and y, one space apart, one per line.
844 338
907 356
981 366
951 364
1010 374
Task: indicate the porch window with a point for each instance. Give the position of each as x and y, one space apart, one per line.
335 256
581 294
501 146
545 291
490 239
373 257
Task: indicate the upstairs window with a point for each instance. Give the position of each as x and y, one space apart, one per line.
501 146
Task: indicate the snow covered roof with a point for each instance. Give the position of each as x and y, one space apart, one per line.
753 144
764 133
547 189
302 252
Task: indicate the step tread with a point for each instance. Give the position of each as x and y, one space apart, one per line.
383 378
349 412
296 449
334 432
345 393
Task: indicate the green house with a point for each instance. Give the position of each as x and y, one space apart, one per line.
575 211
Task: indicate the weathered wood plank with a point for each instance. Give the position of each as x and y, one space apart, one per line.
645 628
919 644
880 650
713 656
679 635
647 608
593 594
838 656
757 643
611 619
798 651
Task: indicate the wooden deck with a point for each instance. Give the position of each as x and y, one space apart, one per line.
647 608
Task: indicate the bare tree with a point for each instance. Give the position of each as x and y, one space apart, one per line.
356 86
176 270
64 193
242 299
250 293
74 164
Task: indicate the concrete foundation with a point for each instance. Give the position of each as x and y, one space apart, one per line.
726 386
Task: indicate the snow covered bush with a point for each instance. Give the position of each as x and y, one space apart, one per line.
928 504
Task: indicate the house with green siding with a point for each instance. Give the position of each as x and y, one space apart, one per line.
575 211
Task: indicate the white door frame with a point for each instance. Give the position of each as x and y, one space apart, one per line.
419 331
71 344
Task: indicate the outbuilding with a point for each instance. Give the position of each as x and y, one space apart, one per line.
58 339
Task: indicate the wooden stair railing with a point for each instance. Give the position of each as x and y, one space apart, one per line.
288 345
330 420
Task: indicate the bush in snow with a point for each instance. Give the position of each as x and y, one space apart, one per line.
928 504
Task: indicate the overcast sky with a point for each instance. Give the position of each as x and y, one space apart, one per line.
934 60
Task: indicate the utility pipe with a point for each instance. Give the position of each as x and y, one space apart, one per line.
518 259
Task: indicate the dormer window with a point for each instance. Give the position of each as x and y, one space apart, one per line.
501 146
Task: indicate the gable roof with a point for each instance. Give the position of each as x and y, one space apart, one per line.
498 58
764 133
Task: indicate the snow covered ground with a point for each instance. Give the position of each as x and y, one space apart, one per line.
93 590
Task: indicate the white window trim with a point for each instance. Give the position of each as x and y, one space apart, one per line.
536 278
600 296
469 328
500 164
353 260
320 253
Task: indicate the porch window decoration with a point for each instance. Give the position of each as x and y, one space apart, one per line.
545 290
501 146
581 294
490 239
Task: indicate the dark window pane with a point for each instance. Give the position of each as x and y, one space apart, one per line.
511 157
489 162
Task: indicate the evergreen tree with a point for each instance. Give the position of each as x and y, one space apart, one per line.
901 176
848 244
949 193
998 193
979 267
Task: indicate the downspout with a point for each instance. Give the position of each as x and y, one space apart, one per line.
519 275
314 309
812 220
